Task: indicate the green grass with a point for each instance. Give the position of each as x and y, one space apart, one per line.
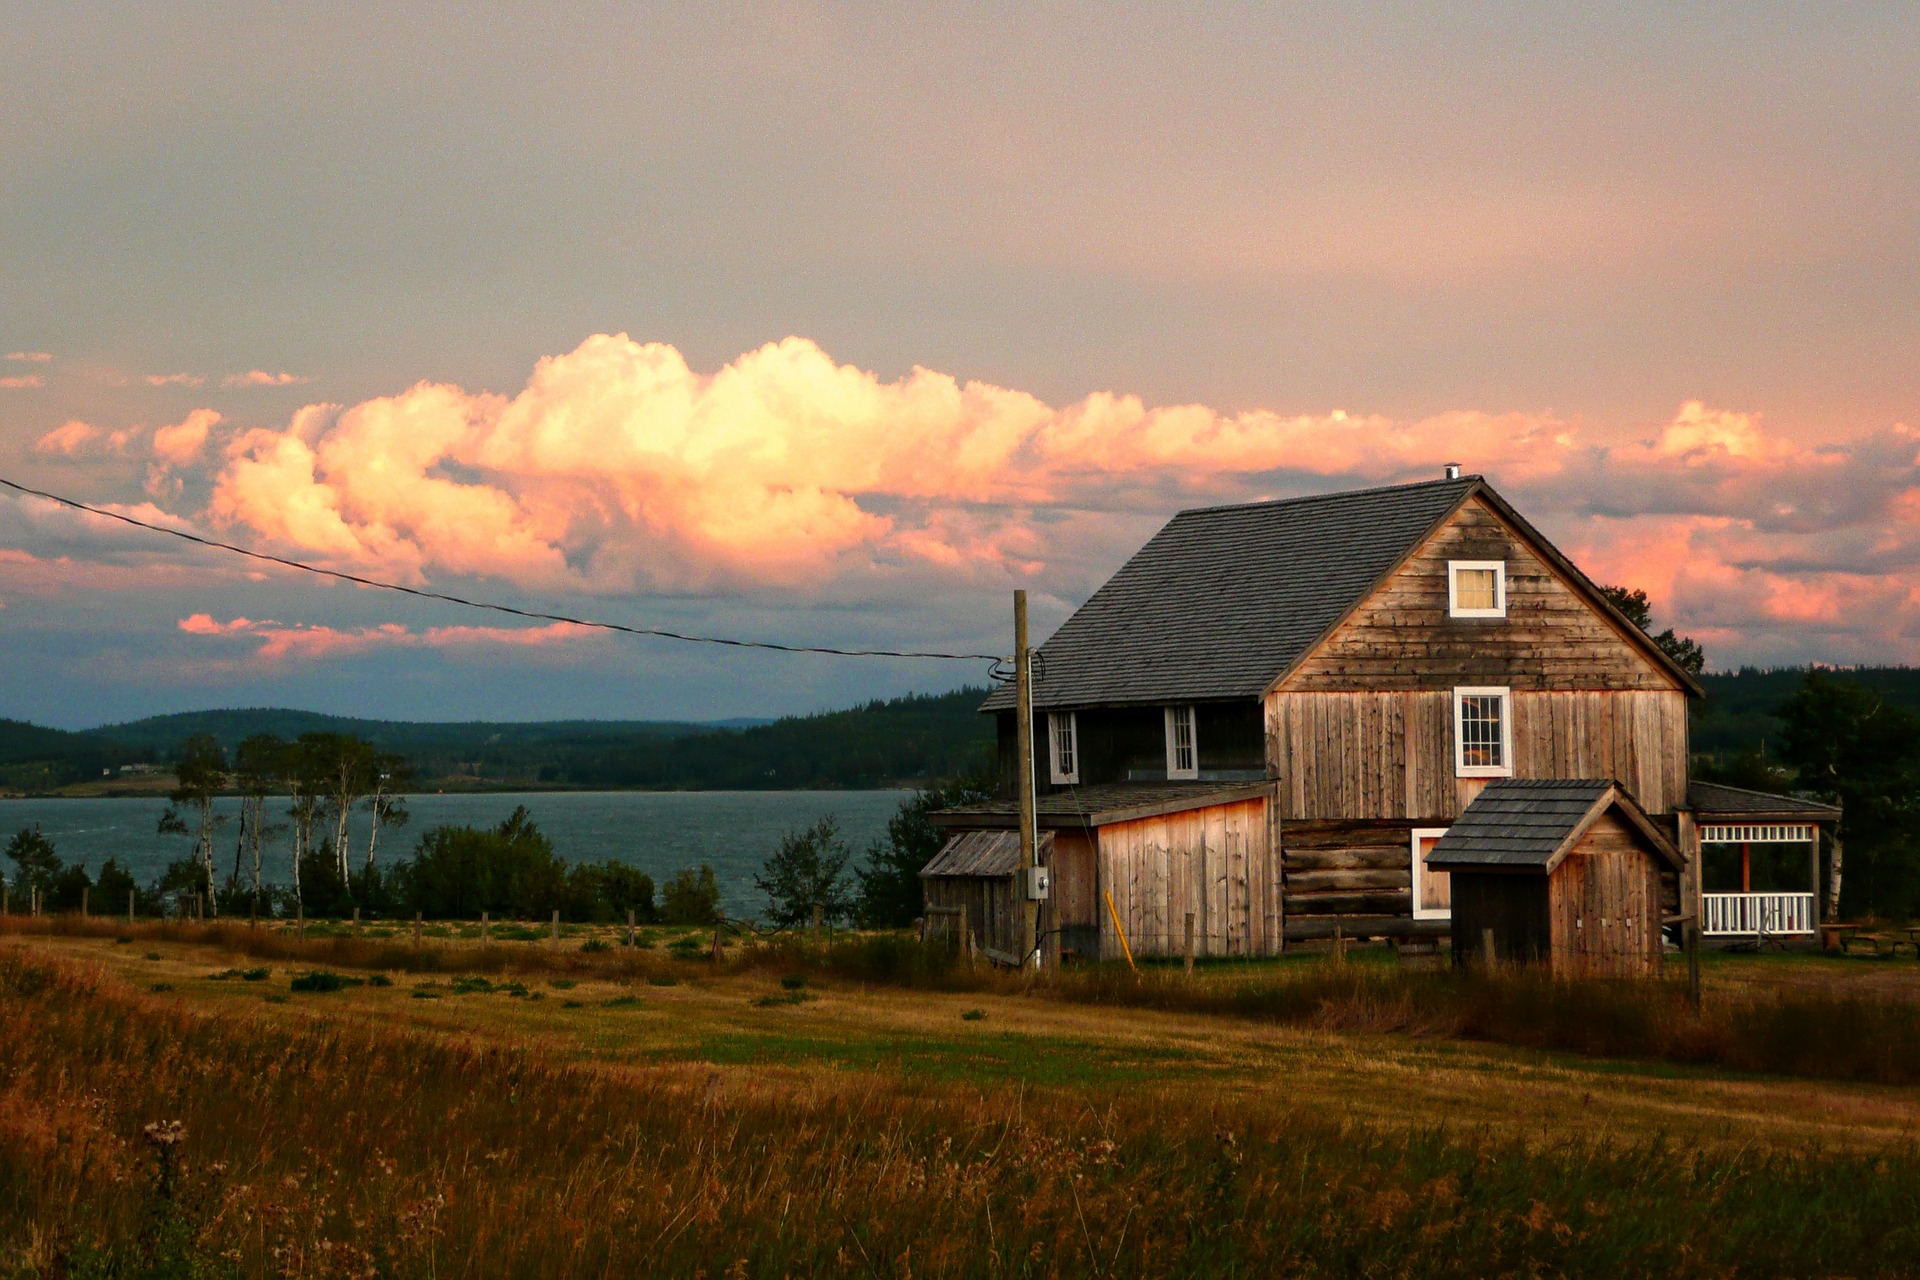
329 1147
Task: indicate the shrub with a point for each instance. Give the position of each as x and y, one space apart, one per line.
691 897
889 895
322 981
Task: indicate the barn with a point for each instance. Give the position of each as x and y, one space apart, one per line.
1566 873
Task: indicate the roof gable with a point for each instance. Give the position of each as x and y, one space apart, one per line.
1223 599
1531 824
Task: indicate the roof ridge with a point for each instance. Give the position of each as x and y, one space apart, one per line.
1270 503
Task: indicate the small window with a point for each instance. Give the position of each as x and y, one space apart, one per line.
1476 588
1432 890
1063 737
1183 752
1482 733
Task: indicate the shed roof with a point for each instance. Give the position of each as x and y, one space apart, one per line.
1530 824
982 853
1224 600
1097 806
1717 800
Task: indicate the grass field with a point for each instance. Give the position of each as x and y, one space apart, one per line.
786 1112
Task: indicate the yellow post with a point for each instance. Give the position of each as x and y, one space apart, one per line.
1121 930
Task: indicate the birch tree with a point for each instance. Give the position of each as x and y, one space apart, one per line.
200 770
386 807
258 768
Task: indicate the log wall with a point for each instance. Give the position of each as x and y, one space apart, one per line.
1216 862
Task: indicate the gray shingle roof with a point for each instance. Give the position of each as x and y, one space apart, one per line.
1223 599
1521 824
1717 800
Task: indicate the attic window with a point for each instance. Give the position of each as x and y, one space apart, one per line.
1482 733
1183 751
1063 741
1476 588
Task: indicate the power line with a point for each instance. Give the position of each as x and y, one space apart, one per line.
534 615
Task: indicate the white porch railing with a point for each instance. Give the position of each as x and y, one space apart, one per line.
1756 913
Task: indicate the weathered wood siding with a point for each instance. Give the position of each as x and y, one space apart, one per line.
1361 755
1604 900
1216 862
1401 637
989 904
1071 916
1353 875
1514 906
1364 728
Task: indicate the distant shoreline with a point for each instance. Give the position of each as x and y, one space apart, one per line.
157 787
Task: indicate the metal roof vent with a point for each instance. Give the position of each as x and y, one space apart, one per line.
1453 471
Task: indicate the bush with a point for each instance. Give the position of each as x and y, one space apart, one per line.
322 981
691 897
807 873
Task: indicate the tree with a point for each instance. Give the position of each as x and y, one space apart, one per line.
115 886
344 768
1685 652
807 873
259 765
890 895
458 872
691 897
38 865
1848 745
200 771
385 806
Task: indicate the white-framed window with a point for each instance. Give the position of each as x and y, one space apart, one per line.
1063 747
1476 588
1482 733
1183 748
1432 890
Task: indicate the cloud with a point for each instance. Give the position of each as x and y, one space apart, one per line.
31 357
22 382
280 643
787 476
261 378
182 443
174 380
76 439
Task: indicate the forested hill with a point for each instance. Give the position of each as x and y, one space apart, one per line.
884 743
1737 714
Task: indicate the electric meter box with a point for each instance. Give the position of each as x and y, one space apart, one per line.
1039 884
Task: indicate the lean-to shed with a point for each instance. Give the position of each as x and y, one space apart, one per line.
1569 873
973 875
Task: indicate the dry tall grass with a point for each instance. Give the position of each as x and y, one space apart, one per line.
327 1150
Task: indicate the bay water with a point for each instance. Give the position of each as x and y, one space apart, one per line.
658 832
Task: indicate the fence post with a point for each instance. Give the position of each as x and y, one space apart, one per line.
1693 964
1486 947
6 899
483 928
356 922
83 902
556 928
130 906
416 924
629 926
966 937
816 922
1339 945
300 921
1189 944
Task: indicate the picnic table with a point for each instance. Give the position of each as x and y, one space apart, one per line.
1840 937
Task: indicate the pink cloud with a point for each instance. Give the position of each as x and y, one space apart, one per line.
181 443
174 380
30 357
618 468
22 382
261 378
70 438
280 643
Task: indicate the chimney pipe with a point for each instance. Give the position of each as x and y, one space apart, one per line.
1453 471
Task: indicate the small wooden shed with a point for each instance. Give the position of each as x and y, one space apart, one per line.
1569 873
971 880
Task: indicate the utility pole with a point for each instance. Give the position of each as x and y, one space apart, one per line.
1027 909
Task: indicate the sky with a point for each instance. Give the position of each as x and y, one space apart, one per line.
835 324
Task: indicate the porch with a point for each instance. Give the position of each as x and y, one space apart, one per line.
1756 862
